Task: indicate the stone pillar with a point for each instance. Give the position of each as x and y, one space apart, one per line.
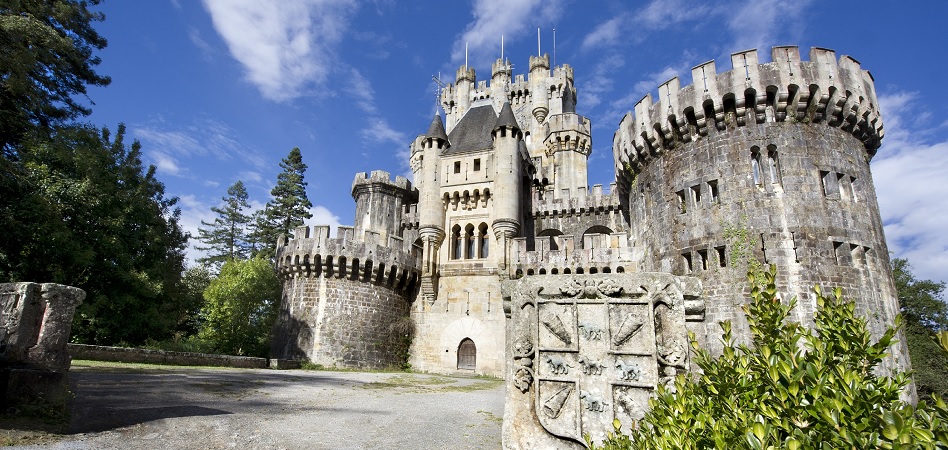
35 323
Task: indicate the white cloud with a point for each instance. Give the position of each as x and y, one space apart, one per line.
909 172
379 131
171 149
758 23
287 46
496 18
323 216
360 88
607 33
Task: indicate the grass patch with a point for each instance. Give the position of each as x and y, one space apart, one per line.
416 383
80 365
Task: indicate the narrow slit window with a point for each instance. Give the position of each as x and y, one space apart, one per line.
681 201
696 195
830 183
722 255
713 190
773 164
837 252
687 260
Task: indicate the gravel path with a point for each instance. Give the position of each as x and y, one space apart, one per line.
171 408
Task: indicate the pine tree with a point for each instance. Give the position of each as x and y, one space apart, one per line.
226 237
289 207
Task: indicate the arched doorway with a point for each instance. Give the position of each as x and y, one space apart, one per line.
467 355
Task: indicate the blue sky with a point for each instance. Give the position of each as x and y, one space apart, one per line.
220 90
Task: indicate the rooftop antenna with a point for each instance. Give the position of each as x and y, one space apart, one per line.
554 47
538 42
501 47
465 56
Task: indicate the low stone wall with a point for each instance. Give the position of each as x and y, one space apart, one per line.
141 355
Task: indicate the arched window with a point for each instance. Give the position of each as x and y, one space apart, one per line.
456 242
755 164
467 355
469 241
484 240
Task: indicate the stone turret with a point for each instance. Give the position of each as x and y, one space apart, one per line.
507 209
431 210
380 203
539 72
766 162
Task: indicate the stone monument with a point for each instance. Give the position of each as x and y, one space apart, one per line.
584 350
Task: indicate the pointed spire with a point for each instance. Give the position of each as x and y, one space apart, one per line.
506 118
436 129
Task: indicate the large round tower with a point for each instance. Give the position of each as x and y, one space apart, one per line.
766 163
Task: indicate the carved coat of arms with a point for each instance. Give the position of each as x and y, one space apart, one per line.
590 349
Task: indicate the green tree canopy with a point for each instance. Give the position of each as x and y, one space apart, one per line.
47 60
925 314
288 209
89 214
240 307
226 237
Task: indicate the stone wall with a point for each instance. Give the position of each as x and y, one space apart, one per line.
35 323
341 322
149 356
467 307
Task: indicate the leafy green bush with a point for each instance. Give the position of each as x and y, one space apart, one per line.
793 388
240 307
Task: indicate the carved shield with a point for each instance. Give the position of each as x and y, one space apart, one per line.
597 356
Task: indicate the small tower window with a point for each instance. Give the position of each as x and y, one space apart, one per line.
713 189
457 167
477 164
682 208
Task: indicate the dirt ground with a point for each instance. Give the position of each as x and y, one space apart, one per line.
148 407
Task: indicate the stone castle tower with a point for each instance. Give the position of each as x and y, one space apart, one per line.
767 162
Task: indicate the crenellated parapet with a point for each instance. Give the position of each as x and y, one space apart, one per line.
819 91
596 200
371 259
567 132
595 253
379 179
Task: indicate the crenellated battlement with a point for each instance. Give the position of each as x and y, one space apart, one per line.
518 89
567 132
371 259
582 202
838 94
380 177
596 253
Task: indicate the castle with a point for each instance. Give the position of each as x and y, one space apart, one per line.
767 163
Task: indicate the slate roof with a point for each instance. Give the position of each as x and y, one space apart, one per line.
473 132
506 118
436 129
